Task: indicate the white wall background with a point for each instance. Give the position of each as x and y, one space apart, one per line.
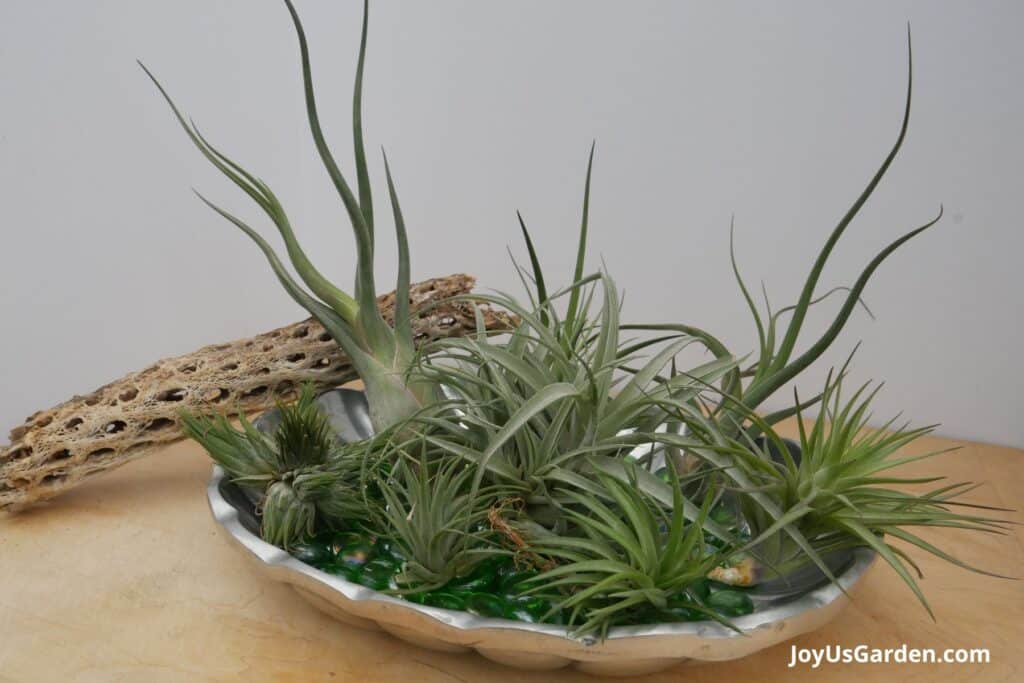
777 112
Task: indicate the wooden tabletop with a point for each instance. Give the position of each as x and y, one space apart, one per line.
126 579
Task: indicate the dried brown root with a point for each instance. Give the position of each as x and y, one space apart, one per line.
56 449
524 556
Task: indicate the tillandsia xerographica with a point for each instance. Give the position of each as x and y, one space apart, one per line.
561 472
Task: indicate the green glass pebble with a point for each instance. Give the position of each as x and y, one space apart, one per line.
378 574
444 601
722 515
701 588
513 581
356 554
470 584
531 610
731 603
418 598
483 578
344 571
316 552
340 539
390 549
489 605
382 562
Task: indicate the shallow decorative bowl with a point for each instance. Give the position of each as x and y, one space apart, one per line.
627 650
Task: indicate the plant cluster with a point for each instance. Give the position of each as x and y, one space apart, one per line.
562 471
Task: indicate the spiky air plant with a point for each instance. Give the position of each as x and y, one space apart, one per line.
633 559
836 489
301 473
381 354
541 413
433 515
560 392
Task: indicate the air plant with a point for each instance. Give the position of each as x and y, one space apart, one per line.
380 353
777 361
837 491
633 556
434 517
301 472
542 410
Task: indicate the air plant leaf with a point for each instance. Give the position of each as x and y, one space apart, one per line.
538 272
574 297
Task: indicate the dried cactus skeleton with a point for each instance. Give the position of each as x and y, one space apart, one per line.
56 449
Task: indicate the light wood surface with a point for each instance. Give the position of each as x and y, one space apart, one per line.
126 579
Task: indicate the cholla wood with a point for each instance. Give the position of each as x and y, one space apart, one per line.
55 449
